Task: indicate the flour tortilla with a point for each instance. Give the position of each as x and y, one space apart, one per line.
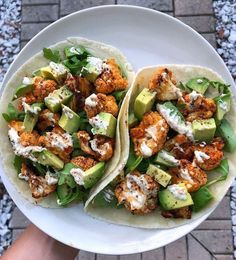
154 220
37 61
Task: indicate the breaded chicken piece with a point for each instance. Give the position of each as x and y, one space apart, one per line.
209 156
150 135
17 125
58 143
95 104
180 146
138 193
38 184
184 212
84 163
111 79
164 84
192 176
47 119
27 139
100 147
79 85
42 88
196 106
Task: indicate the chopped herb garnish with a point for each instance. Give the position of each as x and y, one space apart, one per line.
51 55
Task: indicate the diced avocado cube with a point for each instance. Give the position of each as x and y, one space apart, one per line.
76 141
65 176
93 68
49 159
22 89
204 129
174 197
93 175
132 120
159 175
144 102
222 106
69 120
31 117
199 84
103 124
55 71
58 97
226 131
167 159
201 198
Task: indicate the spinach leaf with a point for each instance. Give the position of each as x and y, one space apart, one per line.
51 55
18 160
12 113
220 87
223 169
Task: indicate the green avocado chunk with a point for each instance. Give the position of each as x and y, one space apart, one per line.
49 159
69 120
54 71
201 198
132 120
93 175
58 97
226 131
144 102
159 175
174 197
204 129
103 124
222 106
31 117
22 89
165 158
199 84
93 68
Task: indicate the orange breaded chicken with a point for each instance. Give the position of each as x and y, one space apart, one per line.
84 163
196 106
95 104
17 125
184 212
38 184
58 143
79 85
180 147
111 79
47 119
138 193
191 175
27 139
150 135
42 88
209 156
164 84
100 147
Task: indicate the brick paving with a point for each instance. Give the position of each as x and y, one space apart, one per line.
213 238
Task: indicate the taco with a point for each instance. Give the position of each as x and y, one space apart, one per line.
60 124
180 142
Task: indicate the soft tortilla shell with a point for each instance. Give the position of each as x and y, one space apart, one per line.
154 220
7 156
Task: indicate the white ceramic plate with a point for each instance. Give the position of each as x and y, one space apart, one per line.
146 37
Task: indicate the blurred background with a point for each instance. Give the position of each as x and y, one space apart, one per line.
215 20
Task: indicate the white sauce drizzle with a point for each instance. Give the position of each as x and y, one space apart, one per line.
145 150
91 101
78 175
151 131
19 149
51 180
60 141
67 112
178 191
184 173
169 158
28 108
57 68
94 146
201 156
27 81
